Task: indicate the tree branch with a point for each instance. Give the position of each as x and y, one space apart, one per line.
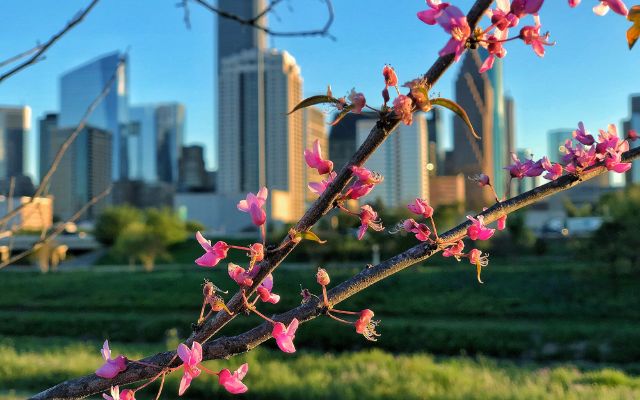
225 347
92 384
254 21
41 49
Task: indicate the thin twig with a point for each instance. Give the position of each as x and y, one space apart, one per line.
254 21
67 143
40 50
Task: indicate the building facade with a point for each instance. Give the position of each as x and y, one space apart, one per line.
81 86
315 128
633 175
46 128
259 143
193 174
15 124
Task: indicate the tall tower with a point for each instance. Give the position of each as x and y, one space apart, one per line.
258 142
633 175
80 87
500 137
470 156
15 123
234 37
46 129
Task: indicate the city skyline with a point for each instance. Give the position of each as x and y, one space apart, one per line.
602 103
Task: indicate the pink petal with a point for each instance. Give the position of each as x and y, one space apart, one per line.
184 384
206 244
196 353
262 194
207 260
184 353
293 326
106 352
243 206
487 64
242 371
601 9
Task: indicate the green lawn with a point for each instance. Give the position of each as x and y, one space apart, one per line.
28 365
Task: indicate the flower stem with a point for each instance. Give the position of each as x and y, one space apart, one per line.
161 386
207 370
324 296
344 311
339 319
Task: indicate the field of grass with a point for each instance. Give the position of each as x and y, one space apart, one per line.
537 310
28 365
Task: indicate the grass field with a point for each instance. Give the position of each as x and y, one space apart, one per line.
28 365
537 313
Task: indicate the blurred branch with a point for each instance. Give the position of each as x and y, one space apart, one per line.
59 229
65 146
88 385
254 21
41 49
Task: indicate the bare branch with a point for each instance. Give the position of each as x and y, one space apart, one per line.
255 20
17 57
58 230
65 146
40 50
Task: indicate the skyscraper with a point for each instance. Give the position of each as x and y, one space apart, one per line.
46 126
470 156
402 159
500 136
234 37
83 173
155 137
510 127
15 123
315 128
436 150
79 88
258 142
193 175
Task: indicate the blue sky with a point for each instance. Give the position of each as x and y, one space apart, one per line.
588 75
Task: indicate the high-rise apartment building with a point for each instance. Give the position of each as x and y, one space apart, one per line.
155 137
258 142
470 156
46 128
234 37
343 141
315 128
81 86
15 123
83 173
193 174
510 127
436 149
402 159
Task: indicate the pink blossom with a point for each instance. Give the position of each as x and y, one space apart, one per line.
533 168
239 275
454 250
502 222
366 176
126 394
502 17
633 135
421 231
495 49
477 230
517 169
213 254
613 158
190 359
314 159
519 8
253 205
358 190
365 326
368 219
531 36
453 21
264 291
481 179
284 335
232 382
582 135
607 139
256 252
403 107
319 187
358 101
554 170
476 258
111 367
390 77
617 6
574 3
421 207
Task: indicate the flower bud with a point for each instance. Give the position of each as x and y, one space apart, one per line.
257 252
208 289
322 277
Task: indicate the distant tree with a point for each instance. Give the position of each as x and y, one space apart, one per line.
194 226
149 239
113 221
